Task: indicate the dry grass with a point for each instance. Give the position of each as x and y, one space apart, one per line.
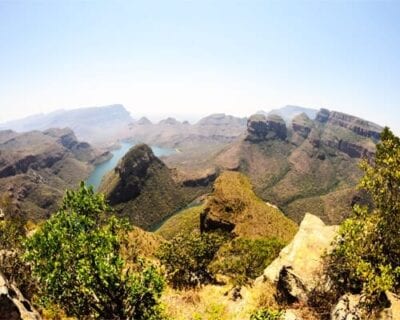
233 199
184 221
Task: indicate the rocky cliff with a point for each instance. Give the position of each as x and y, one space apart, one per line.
13 305
143 188
261 128
310 165
36 168
233 207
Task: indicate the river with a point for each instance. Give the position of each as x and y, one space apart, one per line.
101 169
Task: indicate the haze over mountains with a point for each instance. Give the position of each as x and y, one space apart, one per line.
252 180
300 159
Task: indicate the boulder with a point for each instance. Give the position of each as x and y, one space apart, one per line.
392 312
348 308
295 271
13 305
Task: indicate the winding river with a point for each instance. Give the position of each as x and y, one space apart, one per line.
101 169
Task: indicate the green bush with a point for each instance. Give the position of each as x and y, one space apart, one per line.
12 233
266 314
187 256
75 256
366 257
245 259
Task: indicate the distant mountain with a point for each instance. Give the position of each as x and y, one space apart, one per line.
213 129
95 124
306 165
288 113
36 167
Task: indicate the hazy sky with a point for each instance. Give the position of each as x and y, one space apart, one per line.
200 57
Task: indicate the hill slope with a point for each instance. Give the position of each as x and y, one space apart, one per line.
143 188
307 166
36 168
95 124
232 206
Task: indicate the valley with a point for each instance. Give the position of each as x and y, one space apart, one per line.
240 191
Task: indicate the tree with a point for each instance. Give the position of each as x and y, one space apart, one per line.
366 257
75 255
187 256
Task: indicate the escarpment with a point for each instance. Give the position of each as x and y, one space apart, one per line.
260 128
36 167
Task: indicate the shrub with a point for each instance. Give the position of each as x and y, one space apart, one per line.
245 259
75 256
266 314
187 256
12 233
366 257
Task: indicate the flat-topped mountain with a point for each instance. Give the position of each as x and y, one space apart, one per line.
213 129
95 124
288 113
36 167
308 165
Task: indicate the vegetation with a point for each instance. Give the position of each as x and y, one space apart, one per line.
186 258
75 256
366 258
244 259
185 221
12 232
233 200
266 314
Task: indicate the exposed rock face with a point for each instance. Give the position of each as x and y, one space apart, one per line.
359 126
132 172
295 270
201 181
233 207
322 115
350 307
302 125
262 128
143 188
36 168
347 308
13 306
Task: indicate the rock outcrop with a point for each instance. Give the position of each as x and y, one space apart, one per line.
302 125
13 305
143 188
359 126
36 168
233 207
350 307
132 173
295 270
261 128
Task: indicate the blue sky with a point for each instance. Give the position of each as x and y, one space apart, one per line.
198 57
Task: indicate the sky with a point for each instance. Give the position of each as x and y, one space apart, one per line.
193 58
